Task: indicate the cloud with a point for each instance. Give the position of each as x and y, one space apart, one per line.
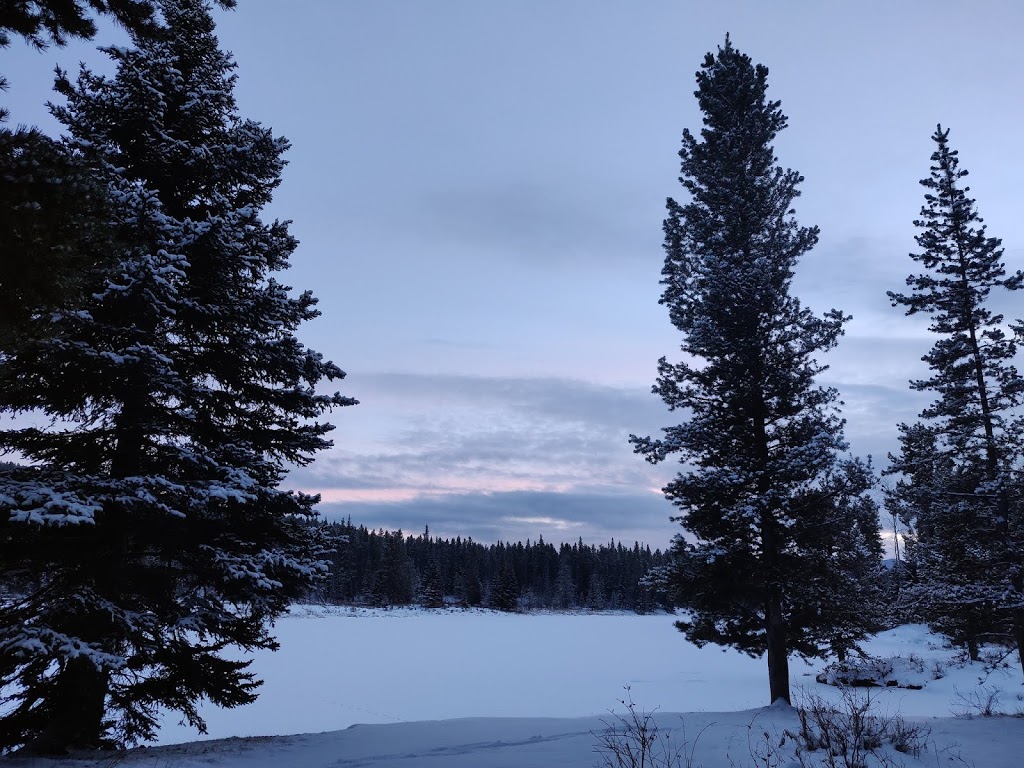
441 442
872 413
553 221
465 433
559 399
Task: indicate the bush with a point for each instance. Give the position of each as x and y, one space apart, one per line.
849 732
634 740
984 701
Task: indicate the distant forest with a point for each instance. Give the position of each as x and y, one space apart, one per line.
390 568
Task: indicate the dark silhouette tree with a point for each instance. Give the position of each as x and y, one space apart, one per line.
564 589
149 529
764 494
959 492
504 594
394 578
431 587
470 588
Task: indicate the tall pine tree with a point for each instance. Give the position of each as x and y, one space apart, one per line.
780 529
959 490
148 529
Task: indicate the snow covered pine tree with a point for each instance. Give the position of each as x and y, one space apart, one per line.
784 548
504 592
959 493
149 530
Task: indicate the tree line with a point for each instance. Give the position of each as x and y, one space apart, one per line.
388 568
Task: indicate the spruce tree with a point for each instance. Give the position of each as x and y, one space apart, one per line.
779 525
53 213
469 586
958 490
564 588
596 598
504 594
149 528
431 587
394 580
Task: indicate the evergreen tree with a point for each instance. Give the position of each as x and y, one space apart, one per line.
596 600
764 493
380 568
42 22
431 588
565 589
338 585
656 588
504 595
471 590
149 529
958 492
394 579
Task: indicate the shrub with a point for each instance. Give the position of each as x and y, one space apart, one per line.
633 740
849 732
983 701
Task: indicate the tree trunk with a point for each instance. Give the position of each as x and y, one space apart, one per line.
775 624
778 653
1018 635
1017 580
76 718
973 650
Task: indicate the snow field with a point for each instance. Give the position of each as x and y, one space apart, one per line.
337 668
475 689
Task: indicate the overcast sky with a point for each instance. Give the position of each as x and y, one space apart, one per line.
478 188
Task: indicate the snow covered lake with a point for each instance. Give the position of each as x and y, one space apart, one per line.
530 690
337 668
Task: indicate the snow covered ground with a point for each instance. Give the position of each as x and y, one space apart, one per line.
482 689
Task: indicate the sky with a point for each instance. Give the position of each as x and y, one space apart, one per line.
478 189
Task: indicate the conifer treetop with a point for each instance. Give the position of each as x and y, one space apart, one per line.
971 361
955 246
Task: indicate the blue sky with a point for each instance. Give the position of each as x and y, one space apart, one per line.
478 189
